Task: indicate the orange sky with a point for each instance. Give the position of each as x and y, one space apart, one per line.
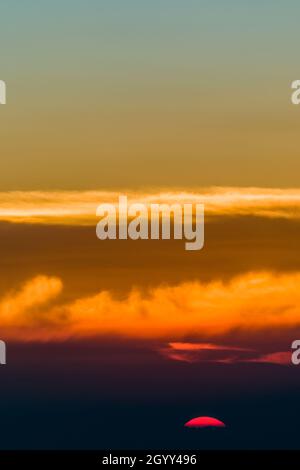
59 282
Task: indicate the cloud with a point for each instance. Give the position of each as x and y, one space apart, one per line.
222 354
20 308
204 347
280 358
201 352
252 302
79 207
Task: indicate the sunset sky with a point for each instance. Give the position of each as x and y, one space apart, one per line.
71 285
164 102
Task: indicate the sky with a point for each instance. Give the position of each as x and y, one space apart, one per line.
137 93
164 102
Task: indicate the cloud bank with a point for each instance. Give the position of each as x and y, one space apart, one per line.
254 301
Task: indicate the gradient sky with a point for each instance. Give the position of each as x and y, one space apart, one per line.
137 93
143 94
169 100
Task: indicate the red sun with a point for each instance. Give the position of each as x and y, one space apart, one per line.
204 422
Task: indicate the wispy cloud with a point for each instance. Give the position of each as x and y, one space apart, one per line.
202 352
204 347
222 354
280 358
79 207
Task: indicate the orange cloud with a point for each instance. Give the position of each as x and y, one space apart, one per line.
20 308
252 301
79 207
